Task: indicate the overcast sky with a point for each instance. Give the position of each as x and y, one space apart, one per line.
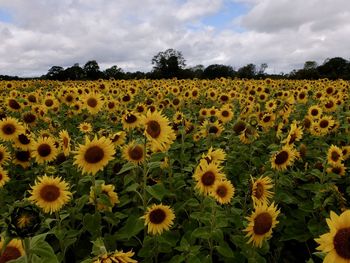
37 34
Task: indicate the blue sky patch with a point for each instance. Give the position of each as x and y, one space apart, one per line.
5 16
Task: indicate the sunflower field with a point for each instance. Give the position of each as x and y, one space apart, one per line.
175 171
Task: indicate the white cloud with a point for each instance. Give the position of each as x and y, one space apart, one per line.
129 33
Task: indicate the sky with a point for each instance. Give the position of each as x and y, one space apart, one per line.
38 34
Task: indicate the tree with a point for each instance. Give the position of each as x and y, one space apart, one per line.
169 63
92 70
218 71
74 72
335 68
262 69
248 71
114 72
309 65
55 73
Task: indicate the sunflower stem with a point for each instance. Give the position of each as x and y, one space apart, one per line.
26 246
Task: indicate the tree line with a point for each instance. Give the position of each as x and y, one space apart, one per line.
171 63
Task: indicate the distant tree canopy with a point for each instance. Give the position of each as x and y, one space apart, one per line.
171 63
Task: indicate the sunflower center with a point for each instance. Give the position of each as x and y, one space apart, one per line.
225 113
23 139
153 129
341 242
239 127
44 150
49 193
292 139
281 157
324 124
29 118
336 170
110 105
259 190
329 104
22 156
92 102
314 112
213 129
94 154
1 176
14 105
157 216
262 223
221 191
65 142
266 118
136 153
130 118
49 102
69 98
32 98
335 156
1 156
10 253
9 129
208 178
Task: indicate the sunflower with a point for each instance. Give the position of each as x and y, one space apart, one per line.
336 242
213 129
93 102
261 189
94 155
346 151
225 114
284 158
334 155
158 218
4 178
118 138
13 250
217 156
158 131
85 127
324 125
10 128
131 120
134 152
261 223
65 142
107 190
23 141
50 193
223 191
22 158
249 135
117 256
206 176
295 134
338 168
267 121
315 111
4 155
44 150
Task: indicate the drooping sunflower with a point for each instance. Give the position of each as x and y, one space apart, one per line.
44 150
24 141
13 250
134 152
336 242
85 127
4 155
284 158
249 135
50 193
261 189
261 223
65 142
10 128
94 155
118 138
223 191
346 152
206 175
158 131
4 178
116 256
334 155
107 190
158 218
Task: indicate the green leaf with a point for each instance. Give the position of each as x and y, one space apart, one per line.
127 167
42 249
132 227
154 165
98 247
92 223
158 191
132 188
225 250
201 232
